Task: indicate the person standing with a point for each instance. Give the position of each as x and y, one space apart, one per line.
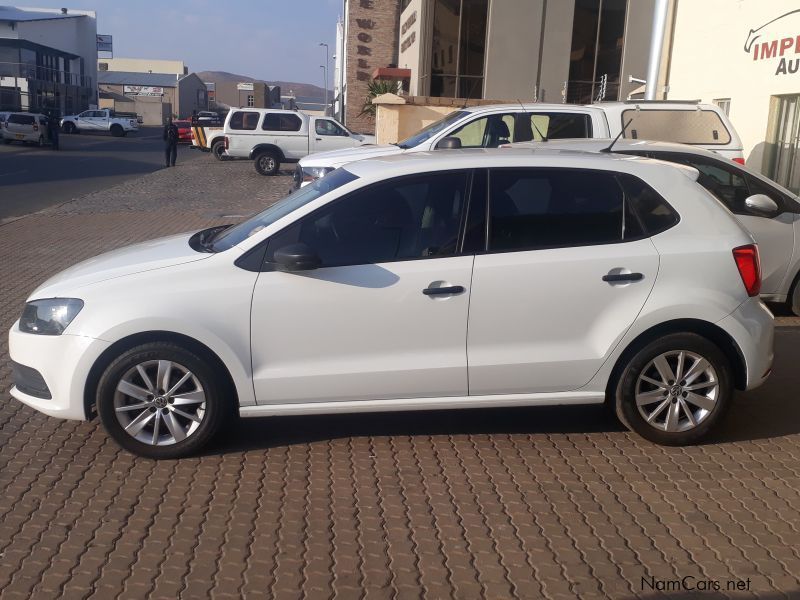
53 129
171 139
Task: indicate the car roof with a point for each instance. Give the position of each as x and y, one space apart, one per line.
524 106
382 167
621 145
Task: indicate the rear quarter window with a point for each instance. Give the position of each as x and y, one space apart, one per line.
244 121
649 208
281 122
682 126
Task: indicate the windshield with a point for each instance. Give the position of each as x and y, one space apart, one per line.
431 130
238 233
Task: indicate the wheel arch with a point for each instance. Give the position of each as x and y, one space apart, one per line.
712 332
131 341
267 147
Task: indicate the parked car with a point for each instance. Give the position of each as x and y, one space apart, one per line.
270 137
26 128
99 120
185 135
380 287
770 212
490 126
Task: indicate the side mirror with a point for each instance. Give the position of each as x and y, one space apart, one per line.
297 257
762 205
449 143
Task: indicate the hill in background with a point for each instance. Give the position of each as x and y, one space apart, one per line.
304 90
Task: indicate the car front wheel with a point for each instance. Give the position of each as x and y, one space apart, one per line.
160 400
675 390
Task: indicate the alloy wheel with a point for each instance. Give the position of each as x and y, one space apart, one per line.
159 402
677 391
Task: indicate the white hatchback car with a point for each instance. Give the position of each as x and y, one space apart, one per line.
483 278
25 127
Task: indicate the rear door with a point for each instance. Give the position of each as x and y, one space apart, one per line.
564 273
286 131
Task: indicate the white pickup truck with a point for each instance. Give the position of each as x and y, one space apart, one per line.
99 120
490 126
270 137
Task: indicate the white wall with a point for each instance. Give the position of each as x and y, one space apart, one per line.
145 65
709 61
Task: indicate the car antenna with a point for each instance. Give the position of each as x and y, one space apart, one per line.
541 135
619 135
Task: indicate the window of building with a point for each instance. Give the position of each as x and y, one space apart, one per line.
251 100
408 218
724 104
598 31
281 122
459 35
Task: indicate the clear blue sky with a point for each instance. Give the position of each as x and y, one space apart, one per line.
265 39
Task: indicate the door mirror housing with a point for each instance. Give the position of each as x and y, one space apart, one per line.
762 205
297 257
449 143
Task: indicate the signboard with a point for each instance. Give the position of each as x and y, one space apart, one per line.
244 87
777 42
142 90
104 43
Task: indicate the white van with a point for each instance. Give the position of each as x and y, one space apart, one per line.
490 126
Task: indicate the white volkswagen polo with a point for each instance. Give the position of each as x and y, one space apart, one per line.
455 279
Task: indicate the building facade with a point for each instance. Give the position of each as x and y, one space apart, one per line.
243 94
574 51
48 59
143 65
744 55
154 96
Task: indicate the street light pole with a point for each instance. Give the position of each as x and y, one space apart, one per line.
325 72
327 61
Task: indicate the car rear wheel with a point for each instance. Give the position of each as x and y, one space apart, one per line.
218 150
794 297
117 131
159 400
675 390
267 163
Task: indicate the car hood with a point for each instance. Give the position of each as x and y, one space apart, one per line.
337 158
147 256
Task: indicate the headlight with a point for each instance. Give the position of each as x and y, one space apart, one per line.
49 317
313 173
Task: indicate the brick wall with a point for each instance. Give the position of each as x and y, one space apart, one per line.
371 43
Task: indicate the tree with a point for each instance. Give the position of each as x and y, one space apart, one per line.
375 88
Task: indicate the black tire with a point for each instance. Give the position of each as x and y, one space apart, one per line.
218 150
217 408
793 300
70 128
117 131
267 163
706 419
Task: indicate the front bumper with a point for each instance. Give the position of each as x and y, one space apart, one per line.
752 327
63 361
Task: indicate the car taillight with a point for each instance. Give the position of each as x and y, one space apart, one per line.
738 160
749 266
226 142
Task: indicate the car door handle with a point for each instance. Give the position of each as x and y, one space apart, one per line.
436 291
622 277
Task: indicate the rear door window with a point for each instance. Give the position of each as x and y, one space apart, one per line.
553 126
551 208
702 127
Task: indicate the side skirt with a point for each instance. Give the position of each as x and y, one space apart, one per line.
404 404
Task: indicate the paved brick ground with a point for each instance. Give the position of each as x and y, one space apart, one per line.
553 503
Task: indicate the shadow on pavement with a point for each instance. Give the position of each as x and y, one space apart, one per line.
770 411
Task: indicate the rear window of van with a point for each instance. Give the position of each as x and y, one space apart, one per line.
680 126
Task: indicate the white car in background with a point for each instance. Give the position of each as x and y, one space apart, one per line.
25 127
490 126
770 212
270 137
381 287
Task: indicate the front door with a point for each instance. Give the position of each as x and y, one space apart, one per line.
374 321
563 276
329 135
